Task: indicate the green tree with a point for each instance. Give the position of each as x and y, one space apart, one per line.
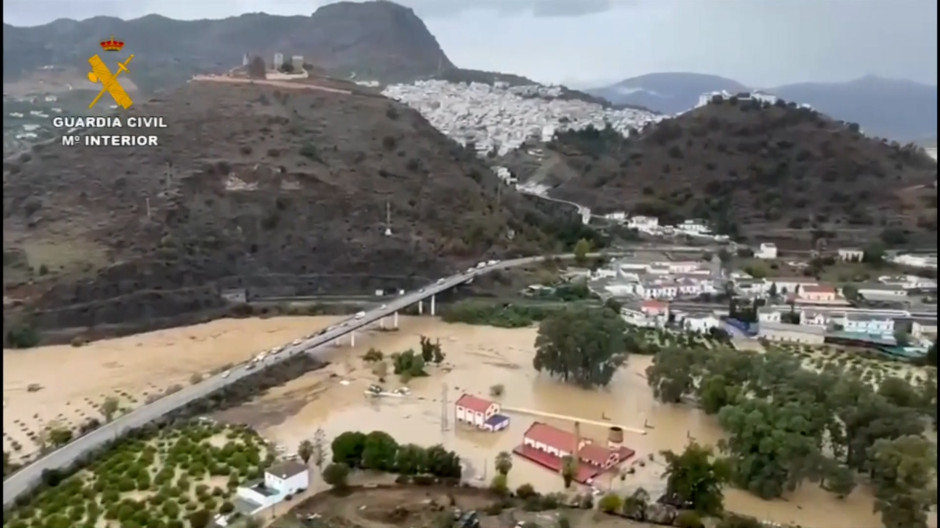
610 503
336 475
635 505
411 459
874 253
379 451
503 463
613 305
200 518
585 346
58 435
108 407
715 392
347 448
319 448
902 471
569 470
695 478
499 485
672 374
850 292
443 463
902 338
305 451
773 446
837 478
257 69
581 250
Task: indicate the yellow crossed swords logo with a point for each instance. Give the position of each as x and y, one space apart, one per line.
109 83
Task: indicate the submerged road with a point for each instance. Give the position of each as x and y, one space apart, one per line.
28 476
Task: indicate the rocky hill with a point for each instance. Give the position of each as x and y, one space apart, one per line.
250 185
897 109
761 171
375 40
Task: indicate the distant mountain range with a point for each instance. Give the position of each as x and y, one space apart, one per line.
896 109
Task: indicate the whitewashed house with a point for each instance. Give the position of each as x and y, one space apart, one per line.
618 216
814 318
787 285
695 227
480 413
643 223
658 290
817 293
280 480
766 251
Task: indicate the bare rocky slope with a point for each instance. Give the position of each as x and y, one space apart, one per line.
758 171
251 185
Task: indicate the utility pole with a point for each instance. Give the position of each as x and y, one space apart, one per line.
388 219
444 409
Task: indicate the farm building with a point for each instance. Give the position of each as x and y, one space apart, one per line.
547 445
480 413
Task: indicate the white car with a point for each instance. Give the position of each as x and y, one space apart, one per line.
492 262
225 374
440 281
360 315
296 342
470 269
384 306
421 290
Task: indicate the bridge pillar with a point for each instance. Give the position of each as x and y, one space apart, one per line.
395 320
352 338
420 307
433 305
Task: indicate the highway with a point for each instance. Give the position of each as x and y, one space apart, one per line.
28 476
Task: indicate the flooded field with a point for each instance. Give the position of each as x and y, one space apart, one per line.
332 399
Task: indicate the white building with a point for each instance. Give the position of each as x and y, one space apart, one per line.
643 223
278 60
618 216
851 254
658 290
768 315
814 318
868 324
700 324
924 329
480 413
787 285
788 333
279 481
766 251
694 227
880 291
916 261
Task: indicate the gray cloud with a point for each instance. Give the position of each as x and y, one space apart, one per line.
756 42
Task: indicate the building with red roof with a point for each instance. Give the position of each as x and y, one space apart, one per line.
480 413
547 446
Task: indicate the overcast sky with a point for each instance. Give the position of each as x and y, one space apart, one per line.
760 43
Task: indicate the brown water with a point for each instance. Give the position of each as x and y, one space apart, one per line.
479 357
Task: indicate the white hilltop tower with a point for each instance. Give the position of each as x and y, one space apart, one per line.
388 220
245 60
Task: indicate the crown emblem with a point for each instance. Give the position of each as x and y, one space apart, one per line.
111 44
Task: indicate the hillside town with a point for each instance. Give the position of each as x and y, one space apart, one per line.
499 118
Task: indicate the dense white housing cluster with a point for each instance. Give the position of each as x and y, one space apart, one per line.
500 118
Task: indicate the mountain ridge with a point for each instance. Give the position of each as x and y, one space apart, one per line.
897 109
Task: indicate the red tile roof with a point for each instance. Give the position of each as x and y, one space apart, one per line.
550 436
564 441
474 403
654 305
817 288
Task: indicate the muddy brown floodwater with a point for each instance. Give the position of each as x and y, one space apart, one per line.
479 357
